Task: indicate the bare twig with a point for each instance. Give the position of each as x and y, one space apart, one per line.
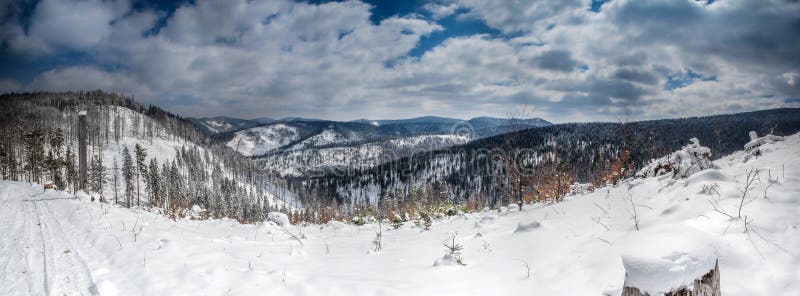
605 241
292 235
633 206
527 268
752 175
599 207
597 220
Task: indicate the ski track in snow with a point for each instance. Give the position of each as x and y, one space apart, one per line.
41 253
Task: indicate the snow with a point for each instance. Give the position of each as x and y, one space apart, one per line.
664 259
315 160
756 141
525 227
327 137
162 147
53 243
279 218
691 159
446 260
262 139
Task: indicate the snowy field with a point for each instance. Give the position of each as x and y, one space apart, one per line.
55 244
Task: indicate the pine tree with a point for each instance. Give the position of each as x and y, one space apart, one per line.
176 183
56 161
3 162
128 174
34 148
141 169
154 182
166 189
51 165
72 172
97 177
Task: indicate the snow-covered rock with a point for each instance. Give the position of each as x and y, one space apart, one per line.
753 148
667 273
691 159
756 141
279 218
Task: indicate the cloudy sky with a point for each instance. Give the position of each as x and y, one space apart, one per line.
567 60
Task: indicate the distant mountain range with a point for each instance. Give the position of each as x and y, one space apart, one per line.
223 124
263 136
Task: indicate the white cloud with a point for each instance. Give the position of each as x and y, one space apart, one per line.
441 10
286 58
522 16
88 78
67 24
791 77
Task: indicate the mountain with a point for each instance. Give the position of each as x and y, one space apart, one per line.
221 124
416 120
551 157
138 156
491 122
296 133
477 122
298 119
263 120
312 160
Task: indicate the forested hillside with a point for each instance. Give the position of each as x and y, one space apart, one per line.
541 163
138 156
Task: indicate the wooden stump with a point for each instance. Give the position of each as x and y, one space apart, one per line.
706 285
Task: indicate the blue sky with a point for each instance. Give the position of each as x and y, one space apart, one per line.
571 60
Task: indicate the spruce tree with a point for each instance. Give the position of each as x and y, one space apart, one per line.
55 159
34 148
141 169
154 182
97 176
115 179
128 175
72 172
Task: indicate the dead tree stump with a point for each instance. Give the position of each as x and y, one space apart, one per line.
706 285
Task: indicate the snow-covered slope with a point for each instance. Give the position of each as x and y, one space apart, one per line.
162 146
53 242
296 162
221 124
262 139
328 136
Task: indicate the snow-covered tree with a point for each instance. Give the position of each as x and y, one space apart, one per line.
141 169
128 173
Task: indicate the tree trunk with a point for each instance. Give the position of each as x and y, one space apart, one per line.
82 133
